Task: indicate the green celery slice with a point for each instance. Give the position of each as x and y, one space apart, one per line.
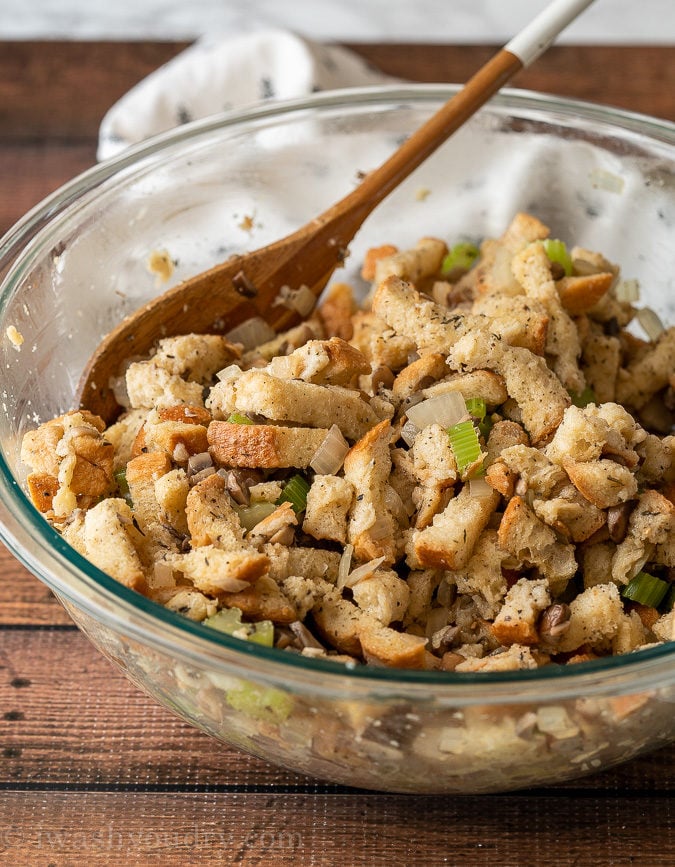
462 256
295 492
646 589
259 702
251 515
120 477
556 251
238 418
228 620
465 444
476 408
583 398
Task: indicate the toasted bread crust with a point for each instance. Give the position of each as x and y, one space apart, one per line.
449 541
579 294
265 446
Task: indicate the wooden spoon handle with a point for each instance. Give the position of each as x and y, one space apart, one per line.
378 184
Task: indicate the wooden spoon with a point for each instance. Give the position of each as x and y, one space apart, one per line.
246 286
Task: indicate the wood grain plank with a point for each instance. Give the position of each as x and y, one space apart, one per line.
29 171
638 78
68 715
263 829
25 600
71 718
63 89
54 95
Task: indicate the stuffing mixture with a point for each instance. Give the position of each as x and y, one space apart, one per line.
473 471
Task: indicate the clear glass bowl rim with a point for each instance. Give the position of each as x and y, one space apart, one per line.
128 613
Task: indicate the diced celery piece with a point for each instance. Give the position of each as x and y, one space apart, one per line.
228 620
253 514
646 589
120 477
465 444
476 408
263 633
583 398
295 492
557 252
462 256
485 426
259 702
238 418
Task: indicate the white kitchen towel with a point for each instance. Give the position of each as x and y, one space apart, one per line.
213 76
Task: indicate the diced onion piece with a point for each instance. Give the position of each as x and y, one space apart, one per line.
180 453
313 652
554 720
301 299
604 180
330 455
80 430
344 566
446 593
650 322
196 478
304 300
627 290
395 505
444 409
228 584
363 571
118 386
408 433
304 635
479 488
646 589
232 371
251 333
465 444
251 515
584 268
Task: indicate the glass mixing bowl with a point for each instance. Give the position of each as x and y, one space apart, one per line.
77 263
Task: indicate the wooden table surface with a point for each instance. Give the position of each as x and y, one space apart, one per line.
91 770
